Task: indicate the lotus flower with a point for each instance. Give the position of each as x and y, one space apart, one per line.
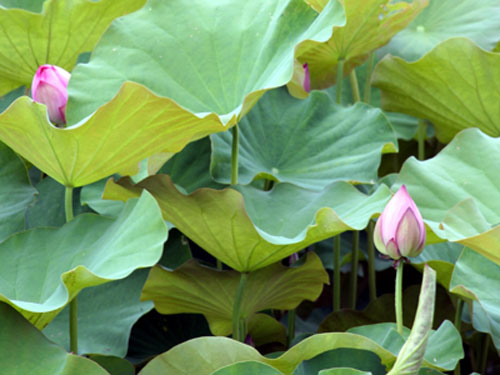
50 87
307 78
400 230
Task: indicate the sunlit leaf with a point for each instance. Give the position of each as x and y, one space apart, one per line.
247 368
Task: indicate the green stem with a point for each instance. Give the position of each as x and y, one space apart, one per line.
422 129
369 71
399 296
336 273
234 155
219 264
340 78
268 184
291 326
73 306
354 86
372 280
354 268
237 334
484 355
458 326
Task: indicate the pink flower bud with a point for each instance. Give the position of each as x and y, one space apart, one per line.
50 87
400 230
307 78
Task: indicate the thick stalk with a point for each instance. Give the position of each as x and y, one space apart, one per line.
268 184
336 273
219 264
368 80
73 305
422 129
237 326
372 281
484 354
399 296
354 86
354 269
291 326
340 78
458 326
234 155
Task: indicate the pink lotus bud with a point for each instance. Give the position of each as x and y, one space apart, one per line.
400 230
307 78
50 87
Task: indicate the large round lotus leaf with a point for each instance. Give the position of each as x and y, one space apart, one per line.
251 229
44 268
203 356
106 314
309 143
97 147
25 350
214 56
444 19
456 86
478 278
247 368
369 25
344 371
193 288
458 191
16 192
63 30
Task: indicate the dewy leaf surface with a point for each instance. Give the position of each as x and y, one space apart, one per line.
25 350
481 278
215 56
193 288
252 229
308 143
445 19
44 268
16 192
63 30
458 191
203 356
369 25
455 86
97 147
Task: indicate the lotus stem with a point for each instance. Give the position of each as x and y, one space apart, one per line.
340 76
354 86
291 326
234 155
422 129
219 264
268 184
369 71
484 355
354 268
372 280
336 273
399 296
68 203
238 329
73 305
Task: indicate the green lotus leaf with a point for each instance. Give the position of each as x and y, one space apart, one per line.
446 19
193 288
309 143
35 6
44 268
16 192
479 278
250 229
214 57
203 356
265 329
468 99
63 30
369 25
25 350
458 191
96 148
106 315
344 371
114 365
247 368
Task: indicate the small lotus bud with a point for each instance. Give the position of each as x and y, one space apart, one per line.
50 87
307 78
400 230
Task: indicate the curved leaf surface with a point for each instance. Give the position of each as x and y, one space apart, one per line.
208 56
96 148
247 368
44 268
457 191
309 143
344 371
369 25
25 350
57 35
193 288
455 86
252 229
445 19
